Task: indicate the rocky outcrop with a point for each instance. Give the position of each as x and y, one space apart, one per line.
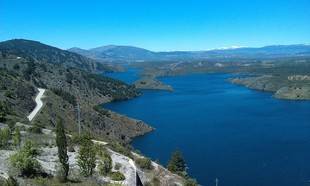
151 84
295 93
282 87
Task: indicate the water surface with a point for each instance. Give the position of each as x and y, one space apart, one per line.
240 136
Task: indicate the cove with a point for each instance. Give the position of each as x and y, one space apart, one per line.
242 137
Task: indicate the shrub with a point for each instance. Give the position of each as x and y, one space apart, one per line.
75 139
87 156
144 163
117 176
5 136
117 166
17 137
24 160
105 165
4 111
156 181
10 182
36 129
190 182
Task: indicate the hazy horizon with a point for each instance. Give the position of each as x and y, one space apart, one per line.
157 25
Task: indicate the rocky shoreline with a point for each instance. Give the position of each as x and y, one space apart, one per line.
280 87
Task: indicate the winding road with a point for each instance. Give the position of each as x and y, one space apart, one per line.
39 104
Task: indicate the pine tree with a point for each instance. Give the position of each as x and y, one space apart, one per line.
61 142
177 163
87 156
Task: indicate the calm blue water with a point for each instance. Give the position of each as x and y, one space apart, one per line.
241 136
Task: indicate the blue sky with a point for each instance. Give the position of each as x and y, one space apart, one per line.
159 25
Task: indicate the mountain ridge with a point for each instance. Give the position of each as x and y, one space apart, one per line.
37 51
132 53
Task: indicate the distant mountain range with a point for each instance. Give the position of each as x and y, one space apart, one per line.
130 53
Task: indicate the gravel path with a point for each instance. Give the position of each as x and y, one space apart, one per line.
39 104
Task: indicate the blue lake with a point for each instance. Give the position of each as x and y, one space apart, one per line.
242 137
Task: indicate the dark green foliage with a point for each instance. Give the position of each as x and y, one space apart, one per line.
4 111
39 52
144 163
61 142
69 77
75 139
5 136
29 71
35 128
24 160
108 86
16 137
16 67
117 176
65 95
105 165
177 163
87 156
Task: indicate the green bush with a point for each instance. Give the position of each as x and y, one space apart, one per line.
87 156
75 139
117 176
5 135
36 129
117 166
4 111
144 163
105 165
9 182
24 160
16 137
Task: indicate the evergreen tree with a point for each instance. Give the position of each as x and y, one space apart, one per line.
177 163
87 156
61 142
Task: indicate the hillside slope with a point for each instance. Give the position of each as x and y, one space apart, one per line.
66 87
39 52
